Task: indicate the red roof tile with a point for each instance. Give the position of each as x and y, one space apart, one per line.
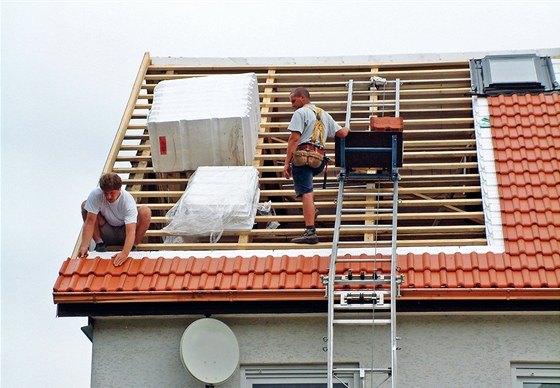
526 138
274 274
527 150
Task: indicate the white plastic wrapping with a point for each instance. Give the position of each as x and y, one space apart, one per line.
204 121
216 199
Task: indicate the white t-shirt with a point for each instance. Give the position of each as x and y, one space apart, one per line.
122 211
303 121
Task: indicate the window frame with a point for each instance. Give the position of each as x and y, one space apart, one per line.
292 373
534 372
482 82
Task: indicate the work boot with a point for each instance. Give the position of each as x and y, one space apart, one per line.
100 247
309 237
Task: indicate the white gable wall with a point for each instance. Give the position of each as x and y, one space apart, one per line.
437 350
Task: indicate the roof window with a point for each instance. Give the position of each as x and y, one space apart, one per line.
509 74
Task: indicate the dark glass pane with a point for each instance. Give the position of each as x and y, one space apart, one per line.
541 385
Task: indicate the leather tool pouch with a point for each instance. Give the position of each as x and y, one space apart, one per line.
308 157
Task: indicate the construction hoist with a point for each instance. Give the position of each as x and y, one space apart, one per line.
358 297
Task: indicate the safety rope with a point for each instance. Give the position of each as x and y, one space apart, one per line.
319 129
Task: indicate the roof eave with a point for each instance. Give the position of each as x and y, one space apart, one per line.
300 295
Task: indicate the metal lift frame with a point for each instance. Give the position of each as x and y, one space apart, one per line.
395 282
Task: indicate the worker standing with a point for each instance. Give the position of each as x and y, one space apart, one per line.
305 157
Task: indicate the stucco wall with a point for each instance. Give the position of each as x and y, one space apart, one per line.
437 350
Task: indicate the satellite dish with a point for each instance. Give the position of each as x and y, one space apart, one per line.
209 351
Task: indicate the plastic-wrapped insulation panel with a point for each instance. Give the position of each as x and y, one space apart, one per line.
216 199
205 121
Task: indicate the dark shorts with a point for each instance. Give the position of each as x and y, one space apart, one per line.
113 235
303 177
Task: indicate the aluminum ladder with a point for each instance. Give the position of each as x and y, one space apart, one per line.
343 297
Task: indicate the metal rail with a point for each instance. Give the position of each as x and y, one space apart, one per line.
369 299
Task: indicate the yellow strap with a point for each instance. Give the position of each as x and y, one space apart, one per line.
319 127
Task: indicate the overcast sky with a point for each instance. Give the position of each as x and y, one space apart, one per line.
67 72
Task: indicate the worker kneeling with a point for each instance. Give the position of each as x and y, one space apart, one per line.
112 218
305 157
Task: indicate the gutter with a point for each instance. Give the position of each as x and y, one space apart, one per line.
442 294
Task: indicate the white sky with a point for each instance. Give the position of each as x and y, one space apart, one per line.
67 72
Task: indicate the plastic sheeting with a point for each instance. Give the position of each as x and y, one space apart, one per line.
216 199
204 121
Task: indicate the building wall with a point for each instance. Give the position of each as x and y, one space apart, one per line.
437 350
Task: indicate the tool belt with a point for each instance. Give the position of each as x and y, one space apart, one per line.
312 154
308 154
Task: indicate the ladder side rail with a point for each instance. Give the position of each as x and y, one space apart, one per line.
397 97
330 285
349 103
334 254
394 287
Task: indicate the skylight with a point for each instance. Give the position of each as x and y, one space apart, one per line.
508 74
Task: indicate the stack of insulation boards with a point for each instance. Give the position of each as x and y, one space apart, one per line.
205 121
217 199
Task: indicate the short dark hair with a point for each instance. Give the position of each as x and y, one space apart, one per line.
301 91
110 181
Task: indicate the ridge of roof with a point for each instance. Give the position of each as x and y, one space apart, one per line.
346 60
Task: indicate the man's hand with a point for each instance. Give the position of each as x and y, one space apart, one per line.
287 171
119 258
83 252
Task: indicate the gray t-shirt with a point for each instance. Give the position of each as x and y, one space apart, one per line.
303 121
122 211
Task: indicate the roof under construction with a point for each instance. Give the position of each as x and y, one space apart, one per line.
440 190
447 249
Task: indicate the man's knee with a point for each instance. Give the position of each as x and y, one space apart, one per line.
307 199
144 213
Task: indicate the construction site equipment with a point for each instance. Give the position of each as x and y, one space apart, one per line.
357 298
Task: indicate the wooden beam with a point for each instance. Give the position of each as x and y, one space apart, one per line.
121 131
321 192
345 230
403 74
367 216
125 120
301 247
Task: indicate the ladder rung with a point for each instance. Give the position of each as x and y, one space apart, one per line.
372 91
380 194
370 292
370 278
355 226
373 104
366 370
379 244
369 307
363 210
362 282
362 322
